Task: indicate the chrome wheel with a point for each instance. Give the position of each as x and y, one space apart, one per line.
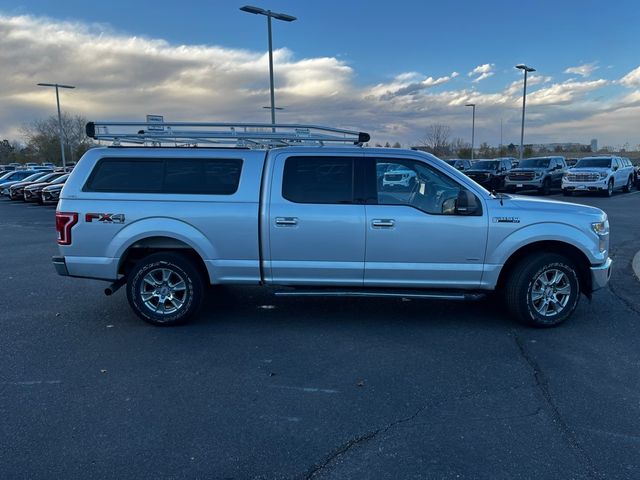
550 292
163 291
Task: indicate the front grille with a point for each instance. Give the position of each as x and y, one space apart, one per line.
583 177
521 176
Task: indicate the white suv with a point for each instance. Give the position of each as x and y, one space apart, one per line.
599 174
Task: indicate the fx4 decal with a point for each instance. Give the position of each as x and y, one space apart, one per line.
104 217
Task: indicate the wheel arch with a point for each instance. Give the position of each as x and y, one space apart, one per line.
146 246
573 253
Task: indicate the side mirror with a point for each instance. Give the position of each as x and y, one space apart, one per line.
615 169
466 203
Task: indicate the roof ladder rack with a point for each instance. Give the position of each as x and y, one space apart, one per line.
251 135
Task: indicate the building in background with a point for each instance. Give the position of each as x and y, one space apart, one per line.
594 145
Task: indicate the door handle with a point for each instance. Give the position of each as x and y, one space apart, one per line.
383 223
286 221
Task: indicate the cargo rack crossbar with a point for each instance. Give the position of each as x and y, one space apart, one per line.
247 135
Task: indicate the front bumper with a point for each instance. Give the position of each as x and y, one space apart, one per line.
600 275
523 184
585 186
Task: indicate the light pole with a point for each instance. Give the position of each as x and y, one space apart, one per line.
526 69
473 126
57 86
278 16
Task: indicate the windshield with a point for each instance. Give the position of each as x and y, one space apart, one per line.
594 163
534 163
33 177
62 179
485 165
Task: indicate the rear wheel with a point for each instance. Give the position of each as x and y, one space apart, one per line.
543 290
627 187
165 289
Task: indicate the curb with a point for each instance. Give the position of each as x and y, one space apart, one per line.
635 264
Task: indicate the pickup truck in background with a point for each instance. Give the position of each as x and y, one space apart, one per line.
538 173
311 214
602 174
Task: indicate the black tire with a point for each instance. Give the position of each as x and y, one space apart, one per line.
609 191
546 187
627 187
524 283
154 267
566 193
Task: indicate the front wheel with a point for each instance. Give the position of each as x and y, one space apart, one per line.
609 191
566 193
165 289
546 187
543 290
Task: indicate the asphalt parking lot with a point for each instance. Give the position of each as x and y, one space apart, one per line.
265 387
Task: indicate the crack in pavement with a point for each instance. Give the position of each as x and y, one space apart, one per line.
344 448
566 431
623 300
357 440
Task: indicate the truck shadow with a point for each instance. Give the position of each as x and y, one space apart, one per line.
241 305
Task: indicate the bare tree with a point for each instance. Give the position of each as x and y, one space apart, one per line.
43 142
437 139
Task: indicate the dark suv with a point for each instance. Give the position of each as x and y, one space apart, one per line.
539 173
490 173
462 165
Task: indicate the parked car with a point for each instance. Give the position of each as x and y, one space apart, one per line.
16 191
539 173
460 164
397 176
490 173
51 194
316 219
31 193
11 178
7 168
602 174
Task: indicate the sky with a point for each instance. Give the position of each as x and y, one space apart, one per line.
389 68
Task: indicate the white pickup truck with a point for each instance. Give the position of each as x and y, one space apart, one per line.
306 208
602 174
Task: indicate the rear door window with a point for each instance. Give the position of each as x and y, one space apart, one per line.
318 180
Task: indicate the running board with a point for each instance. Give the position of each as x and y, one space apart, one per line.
382 294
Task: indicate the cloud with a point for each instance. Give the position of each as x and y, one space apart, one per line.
124 77
631 79
583 70
563 93
482 72
409 83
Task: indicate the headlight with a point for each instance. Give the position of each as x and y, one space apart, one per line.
600 228
565 176
603 175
